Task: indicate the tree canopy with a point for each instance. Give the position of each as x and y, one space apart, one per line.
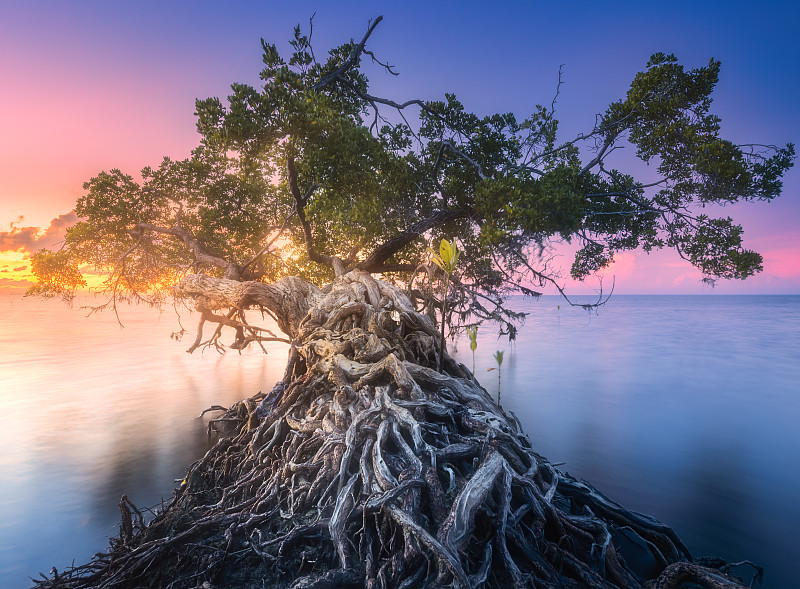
378 460
311 175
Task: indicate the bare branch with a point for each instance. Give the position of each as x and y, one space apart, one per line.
558 89
351 60
599 157
386 66
199 337
310 35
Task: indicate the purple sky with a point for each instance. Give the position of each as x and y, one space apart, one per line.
86 86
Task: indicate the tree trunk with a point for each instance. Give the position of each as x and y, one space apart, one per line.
365 467
289 299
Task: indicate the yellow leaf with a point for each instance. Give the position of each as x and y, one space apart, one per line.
446 250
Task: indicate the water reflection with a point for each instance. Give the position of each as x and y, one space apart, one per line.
681 407
718 501
91 412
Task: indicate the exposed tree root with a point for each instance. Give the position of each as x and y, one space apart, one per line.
366 467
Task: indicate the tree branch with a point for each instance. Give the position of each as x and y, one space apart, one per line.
288 299
599 157
376 260
351 59
265 249
300 200
201 254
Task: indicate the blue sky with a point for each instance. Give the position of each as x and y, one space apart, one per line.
93 85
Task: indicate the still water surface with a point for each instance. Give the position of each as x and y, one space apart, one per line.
683 407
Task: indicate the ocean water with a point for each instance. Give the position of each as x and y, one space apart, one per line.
686 408
683 407
91 411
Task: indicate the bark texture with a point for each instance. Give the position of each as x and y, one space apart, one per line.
366 467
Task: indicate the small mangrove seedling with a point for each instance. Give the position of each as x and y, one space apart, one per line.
472 332
498 356
446 259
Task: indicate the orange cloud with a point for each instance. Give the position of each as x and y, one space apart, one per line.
32 239
13 283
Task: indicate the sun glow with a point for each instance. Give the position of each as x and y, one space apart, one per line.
15 270
16 275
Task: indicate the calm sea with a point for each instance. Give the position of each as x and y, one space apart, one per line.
683 407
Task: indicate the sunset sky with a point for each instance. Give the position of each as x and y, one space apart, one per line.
87 86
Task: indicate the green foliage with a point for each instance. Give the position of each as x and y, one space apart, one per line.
472 332
57 273
498 357
446 259
366 170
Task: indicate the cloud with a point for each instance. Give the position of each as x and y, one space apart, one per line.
20 268
11 282
622 267
32 239
692 277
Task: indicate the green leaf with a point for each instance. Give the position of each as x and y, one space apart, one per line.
447 258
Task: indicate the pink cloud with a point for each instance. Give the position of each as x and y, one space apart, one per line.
623 266
783 262
32 239
691 278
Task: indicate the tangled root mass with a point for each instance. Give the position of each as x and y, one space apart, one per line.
365 467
